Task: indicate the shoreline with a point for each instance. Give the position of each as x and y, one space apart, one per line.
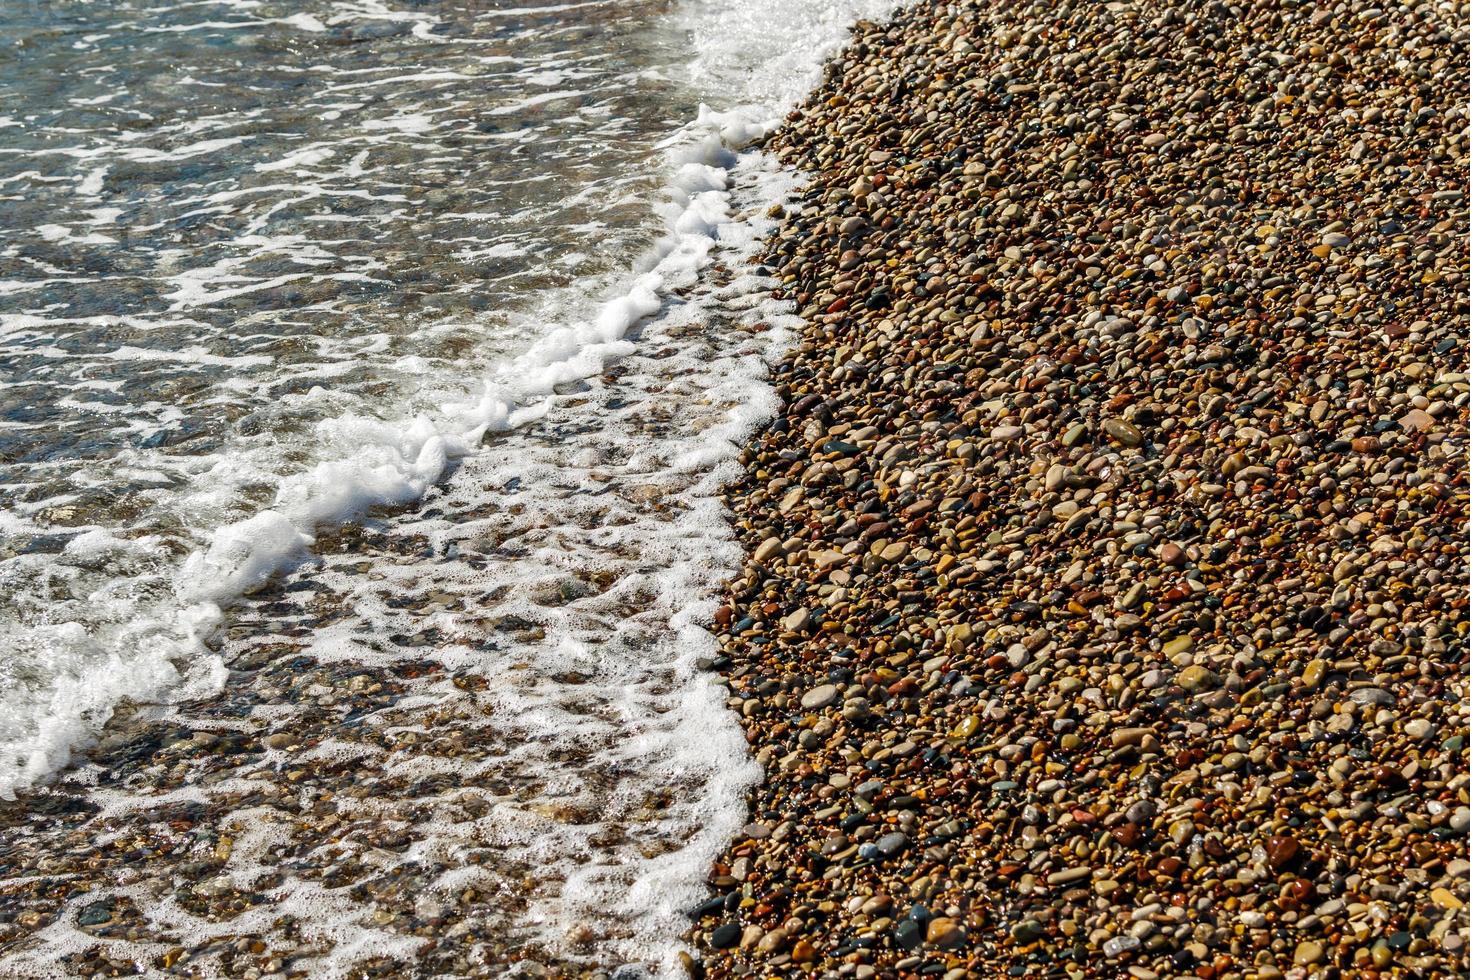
473 738
1102 613
474 734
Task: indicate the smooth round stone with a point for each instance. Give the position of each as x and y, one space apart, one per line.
1313 674
1375 696
891 844
1308 953
1419 728
1142 812
945 933
1196 678
1280 851
819 697
1124 432
768 549
726 935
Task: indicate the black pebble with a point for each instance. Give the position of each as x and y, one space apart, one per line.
909 935
725 935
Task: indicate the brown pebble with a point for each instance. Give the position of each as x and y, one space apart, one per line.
1280 851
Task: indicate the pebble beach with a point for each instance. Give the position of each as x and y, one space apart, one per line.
1103 610
1033 548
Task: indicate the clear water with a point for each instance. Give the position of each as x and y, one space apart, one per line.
213 209
225 223
266 267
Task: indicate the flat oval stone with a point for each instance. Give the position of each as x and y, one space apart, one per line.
819 697
797 621
1069 875
945 933
726 934
967 727
1314 672
1446 899
1308 953
891 844
1195 677
1125 432
1178 645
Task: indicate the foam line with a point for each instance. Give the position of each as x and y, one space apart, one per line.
765 52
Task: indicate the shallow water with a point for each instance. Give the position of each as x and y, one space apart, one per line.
226 223
269 268
475 736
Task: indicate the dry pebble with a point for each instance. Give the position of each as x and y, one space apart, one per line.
1119 497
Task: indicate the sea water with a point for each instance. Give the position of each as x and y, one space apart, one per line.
271 267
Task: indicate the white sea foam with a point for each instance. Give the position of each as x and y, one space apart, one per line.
391 465
754 56
632 503
769 52
765 55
